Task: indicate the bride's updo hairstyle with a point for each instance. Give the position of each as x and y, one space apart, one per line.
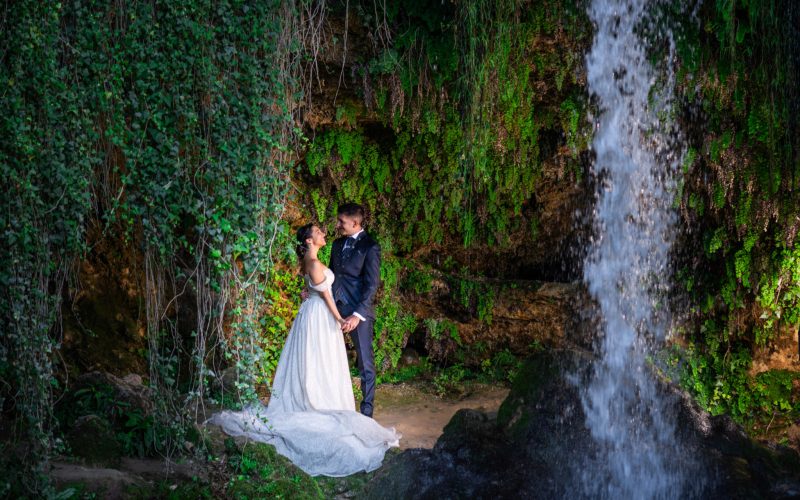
303 234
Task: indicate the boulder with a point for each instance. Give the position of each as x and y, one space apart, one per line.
94 482
92 440
409 357
129 392
539 447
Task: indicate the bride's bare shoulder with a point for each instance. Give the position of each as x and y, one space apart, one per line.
315 270
315 265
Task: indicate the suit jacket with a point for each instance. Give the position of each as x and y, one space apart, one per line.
358 276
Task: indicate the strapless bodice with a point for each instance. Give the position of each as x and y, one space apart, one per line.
319 288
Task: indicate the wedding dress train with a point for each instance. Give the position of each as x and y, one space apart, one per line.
311 417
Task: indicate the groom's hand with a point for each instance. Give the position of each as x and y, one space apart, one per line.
350 324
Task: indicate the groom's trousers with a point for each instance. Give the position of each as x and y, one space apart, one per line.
362 340
366 363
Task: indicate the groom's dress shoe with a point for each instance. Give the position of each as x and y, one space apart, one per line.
366 410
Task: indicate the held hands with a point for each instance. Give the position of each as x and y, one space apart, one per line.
350 324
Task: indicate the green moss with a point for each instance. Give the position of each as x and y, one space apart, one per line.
261 472
534 373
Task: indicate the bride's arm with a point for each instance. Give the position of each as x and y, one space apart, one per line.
326 295
317 274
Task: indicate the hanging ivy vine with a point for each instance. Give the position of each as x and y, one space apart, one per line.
46 139
170 123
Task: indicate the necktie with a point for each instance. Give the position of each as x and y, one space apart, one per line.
347 248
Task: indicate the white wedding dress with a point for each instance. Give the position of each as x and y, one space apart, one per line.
311 417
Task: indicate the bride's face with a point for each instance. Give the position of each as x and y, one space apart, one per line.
317 237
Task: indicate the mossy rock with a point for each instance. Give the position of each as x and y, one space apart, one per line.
262 473
476 428
264 454
539 376
92 440
242 488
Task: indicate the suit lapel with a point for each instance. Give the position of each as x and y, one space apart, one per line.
336 253
361 238
353 249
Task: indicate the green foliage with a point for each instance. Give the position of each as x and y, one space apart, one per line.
442 328
503 366
742 188
779 293
259 472
46 141
419 281
500 368
138 433
283 299
406 373
392 329
476 297
464 117
450 379
171 123
722 384
209 159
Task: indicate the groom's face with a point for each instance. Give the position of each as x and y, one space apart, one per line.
347 226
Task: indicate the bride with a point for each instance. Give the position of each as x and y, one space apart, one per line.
311 417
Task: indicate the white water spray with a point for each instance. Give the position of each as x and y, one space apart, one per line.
627 269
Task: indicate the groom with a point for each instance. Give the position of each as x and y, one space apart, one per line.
356 263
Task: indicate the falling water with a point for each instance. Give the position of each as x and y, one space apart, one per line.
627 268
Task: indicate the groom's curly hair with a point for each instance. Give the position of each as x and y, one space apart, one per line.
352 210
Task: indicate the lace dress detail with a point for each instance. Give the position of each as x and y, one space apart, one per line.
311 417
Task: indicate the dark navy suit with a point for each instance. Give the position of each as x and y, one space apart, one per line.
357 272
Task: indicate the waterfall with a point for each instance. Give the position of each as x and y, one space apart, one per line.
627 268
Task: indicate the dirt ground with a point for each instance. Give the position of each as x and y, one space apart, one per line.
420 417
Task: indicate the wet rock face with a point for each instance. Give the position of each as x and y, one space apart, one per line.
538 447
104 327
525 315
